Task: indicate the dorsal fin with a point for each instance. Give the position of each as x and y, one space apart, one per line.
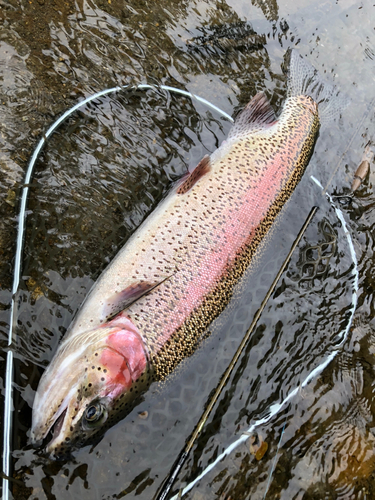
203 167
256 115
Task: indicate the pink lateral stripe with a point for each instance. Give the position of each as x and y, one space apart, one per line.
239 230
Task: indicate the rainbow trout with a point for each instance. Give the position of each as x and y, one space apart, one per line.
151 306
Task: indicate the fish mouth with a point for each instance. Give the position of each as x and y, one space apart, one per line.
52 435
45 442
57 426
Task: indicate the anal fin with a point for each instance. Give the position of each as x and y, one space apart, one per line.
258 114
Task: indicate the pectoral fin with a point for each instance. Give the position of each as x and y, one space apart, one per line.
124 298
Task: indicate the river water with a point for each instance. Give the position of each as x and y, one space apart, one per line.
105 170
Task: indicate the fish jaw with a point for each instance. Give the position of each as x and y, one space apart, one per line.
77 401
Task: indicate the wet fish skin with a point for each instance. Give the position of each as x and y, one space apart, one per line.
103 372
154 302
173 316
183 228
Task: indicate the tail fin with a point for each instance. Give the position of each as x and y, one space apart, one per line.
304 79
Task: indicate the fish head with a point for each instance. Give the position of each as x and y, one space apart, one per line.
93 381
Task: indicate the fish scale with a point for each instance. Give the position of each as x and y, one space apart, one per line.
245 192
154 303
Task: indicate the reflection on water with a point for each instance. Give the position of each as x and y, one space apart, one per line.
106 169
269 8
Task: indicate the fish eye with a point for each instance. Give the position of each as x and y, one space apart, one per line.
94 414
